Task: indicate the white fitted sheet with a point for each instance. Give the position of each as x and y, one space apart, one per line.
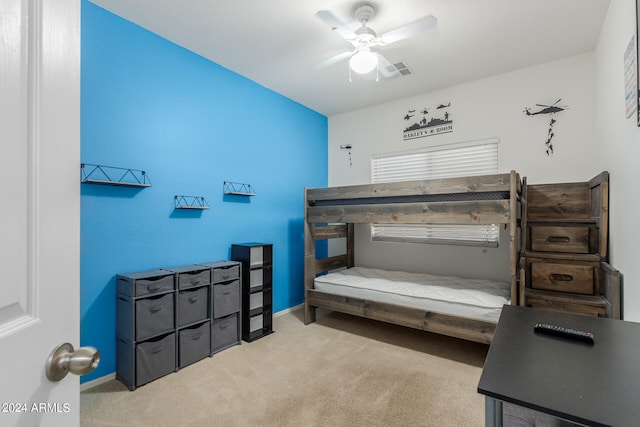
473 298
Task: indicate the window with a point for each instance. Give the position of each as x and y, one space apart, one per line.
461 159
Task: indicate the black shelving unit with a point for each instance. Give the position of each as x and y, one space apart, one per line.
257 286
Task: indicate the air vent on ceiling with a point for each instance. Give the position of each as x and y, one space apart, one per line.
396 70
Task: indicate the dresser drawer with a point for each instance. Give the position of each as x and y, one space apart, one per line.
585 310
561 277
560 239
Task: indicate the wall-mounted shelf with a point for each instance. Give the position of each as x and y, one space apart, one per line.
190 202
238 189
109 175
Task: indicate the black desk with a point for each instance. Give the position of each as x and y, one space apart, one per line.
595 384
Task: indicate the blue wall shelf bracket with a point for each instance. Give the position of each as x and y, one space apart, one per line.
238 189
190 202
110 175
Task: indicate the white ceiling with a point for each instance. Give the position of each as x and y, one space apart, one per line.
276 43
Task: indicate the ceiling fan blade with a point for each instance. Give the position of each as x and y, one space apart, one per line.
428 23
334 59
336 25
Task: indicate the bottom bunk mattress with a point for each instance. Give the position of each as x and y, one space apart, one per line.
472 298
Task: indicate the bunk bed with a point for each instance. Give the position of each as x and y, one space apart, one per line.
330 213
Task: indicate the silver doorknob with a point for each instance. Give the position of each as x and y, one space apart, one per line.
64 359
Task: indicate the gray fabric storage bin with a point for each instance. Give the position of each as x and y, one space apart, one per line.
155 358
224 273
226 298
153 285
144 283
194 278
193 305
154 316
194 344
225 332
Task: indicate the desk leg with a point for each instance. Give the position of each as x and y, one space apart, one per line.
492 412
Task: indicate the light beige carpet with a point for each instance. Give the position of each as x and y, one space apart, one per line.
339 371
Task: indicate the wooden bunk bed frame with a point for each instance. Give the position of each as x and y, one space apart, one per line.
332 212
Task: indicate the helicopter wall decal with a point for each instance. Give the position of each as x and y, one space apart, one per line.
551 110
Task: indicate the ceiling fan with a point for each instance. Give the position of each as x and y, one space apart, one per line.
364 57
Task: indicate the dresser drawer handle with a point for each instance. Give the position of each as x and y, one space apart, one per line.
154 287
558 239
561 277
196 336
156 350
154 310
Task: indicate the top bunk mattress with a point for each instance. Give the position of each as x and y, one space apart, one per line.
472 298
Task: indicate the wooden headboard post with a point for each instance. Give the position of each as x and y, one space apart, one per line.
514 232
309 264
522 232
599 208
350 245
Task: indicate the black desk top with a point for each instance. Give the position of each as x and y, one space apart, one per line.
595 384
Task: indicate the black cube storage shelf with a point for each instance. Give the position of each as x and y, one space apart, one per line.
257 288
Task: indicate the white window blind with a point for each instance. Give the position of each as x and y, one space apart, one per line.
461 159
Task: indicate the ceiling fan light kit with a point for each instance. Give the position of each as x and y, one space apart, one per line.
364 59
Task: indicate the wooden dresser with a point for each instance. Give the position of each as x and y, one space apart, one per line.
563 265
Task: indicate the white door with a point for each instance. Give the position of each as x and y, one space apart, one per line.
40 207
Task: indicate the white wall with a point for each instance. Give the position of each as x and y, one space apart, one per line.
486 108
620 141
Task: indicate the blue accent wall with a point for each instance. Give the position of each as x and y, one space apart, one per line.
191 124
